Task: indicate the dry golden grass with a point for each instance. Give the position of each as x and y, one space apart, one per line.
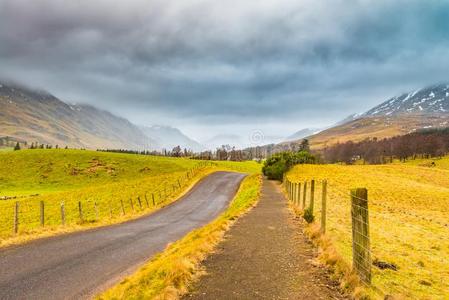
379 126
408 223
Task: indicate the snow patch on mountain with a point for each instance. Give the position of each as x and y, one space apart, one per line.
433 99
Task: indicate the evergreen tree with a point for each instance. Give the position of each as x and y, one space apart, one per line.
17 147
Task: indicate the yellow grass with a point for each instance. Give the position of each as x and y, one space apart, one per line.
168 275
409 222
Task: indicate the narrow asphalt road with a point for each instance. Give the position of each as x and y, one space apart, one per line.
77 265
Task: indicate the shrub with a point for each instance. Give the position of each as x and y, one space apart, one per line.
278 164
308 215
274 168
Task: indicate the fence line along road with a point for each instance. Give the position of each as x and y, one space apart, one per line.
26 216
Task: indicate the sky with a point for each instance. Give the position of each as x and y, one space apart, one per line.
257 69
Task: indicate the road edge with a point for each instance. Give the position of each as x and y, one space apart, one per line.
61 233
170 273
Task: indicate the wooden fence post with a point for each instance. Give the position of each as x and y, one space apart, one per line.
361 253
146 201
80 211
140 202
295 187
16 217
298 194
323 206
42 206
304 196
110 209
312 195
291 190
96 211
123 207
62 213
132 203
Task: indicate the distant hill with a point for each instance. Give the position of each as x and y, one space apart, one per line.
38 116
232 140
408 112
168 137
302 134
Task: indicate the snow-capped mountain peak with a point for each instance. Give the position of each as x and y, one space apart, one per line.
430 100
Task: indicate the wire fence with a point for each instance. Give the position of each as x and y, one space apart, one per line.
32 215
392 251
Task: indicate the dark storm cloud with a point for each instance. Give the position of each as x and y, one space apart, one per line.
248 63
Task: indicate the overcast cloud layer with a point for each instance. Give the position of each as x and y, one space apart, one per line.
212 67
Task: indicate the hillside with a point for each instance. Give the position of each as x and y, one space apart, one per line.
38 116
300 134
424 108
46 170
168 137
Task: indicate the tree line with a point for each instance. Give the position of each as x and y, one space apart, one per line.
425 143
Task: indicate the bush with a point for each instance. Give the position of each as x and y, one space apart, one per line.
274 168
278 164
308 215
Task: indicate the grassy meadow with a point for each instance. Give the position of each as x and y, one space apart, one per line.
408 205
111 187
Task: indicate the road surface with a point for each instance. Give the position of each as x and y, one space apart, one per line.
265 255
78 265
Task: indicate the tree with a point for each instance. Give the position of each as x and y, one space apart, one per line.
177 152
278 164
17 147
304 146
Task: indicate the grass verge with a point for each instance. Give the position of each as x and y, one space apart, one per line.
330 258
168 275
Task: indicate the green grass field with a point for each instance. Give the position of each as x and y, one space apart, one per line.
100 181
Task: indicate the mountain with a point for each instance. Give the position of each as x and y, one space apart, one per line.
408 112
168 137
38 116
302 134
431 100
232 140
348 119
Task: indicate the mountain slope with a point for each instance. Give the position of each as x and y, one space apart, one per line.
38 116
424 108
168 137
430 100
300 134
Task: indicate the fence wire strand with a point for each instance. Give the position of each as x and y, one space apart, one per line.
372 261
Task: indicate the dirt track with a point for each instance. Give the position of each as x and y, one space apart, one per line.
265 256
74 266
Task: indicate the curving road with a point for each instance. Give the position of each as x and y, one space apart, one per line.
77 265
